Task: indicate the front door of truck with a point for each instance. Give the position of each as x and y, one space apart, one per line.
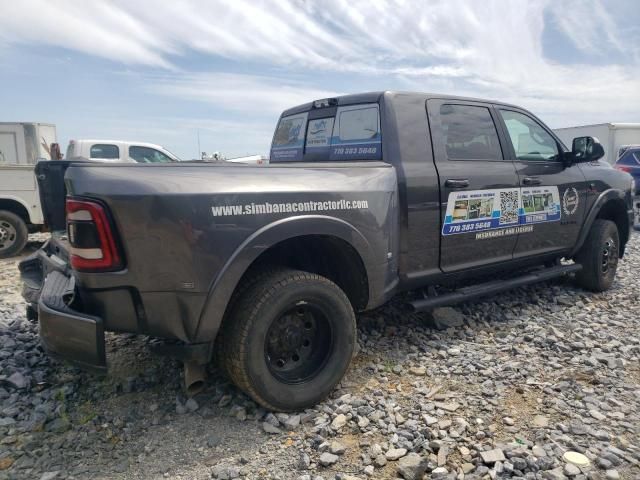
552 195
478 185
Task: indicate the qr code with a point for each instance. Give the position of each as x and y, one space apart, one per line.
508 207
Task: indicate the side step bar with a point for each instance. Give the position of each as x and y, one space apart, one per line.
482 289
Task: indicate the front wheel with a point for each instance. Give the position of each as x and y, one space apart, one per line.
599 257
13 234
289 339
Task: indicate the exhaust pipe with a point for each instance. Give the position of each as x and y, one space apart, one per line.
194 375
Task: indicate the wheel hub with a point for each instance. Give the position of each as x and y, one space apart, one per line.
297 343
287 336
7 235
607 256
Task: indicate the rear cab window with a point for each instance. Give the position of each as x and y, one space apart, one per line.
350 132
105 151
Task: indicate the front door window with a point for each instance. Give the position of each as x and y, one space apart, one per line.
530 141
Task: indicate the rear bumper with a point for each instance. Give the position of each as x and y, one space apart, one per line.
65 332
73 319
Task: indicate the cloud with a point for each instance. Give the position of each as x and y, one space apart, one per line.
588 25
441 38
356 35
490 49
94 28
256 94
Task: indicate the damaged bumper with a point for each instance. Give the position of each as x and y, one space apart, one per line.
65 332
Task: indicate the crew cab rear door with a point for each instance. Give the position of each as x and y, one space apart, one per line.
478 186
552 195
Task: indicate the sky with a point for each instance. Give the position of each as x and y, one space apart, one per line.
170 72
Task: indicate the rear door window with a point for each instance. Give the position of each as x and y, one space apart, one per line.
105 151
469 133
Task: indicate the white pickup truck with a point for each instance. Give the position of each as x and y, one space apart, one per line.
119 151
21 145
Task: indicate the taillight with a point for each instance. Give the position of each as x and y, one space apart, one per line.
93 245
623 169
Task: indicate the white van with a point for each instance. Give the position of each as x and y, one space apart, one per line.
612 136
119 151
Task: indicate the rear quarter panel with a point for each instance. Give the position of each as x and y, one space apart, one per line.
182 226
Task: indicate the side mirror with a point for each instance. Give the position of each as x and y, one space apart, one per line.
586 149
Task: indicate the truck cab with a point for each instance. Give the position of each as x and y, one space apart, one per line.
119 151
500 186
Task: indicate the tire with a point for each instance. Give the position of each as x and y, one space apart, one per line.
13 234
289 339
248 282
599 257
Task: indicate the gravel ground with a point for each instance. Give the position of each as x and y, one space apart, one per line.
530 375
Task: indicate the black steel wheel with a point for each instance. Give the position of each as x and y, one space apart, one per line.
299 343
599 256
608 256
289 339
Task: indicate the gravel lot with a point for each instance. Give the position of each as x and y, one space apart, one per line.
530 375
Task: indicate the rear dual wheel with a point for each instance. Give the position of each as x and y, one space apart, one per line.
289 339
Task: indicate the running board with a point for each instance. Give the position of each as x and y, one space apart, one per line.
482 289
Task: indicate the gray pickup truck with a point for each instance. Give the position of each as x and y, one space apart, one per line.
366 196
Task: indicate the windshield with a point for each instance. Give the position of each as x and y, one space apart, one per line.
148 155
173 156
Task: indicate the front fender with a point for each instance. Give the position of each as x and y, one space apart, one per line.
259 242
605 197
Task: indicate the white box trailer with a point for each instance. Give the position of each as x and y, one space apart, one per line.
21 145
612 136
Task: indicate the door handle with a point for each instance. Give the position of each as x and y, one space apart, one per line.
457 183
531 181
